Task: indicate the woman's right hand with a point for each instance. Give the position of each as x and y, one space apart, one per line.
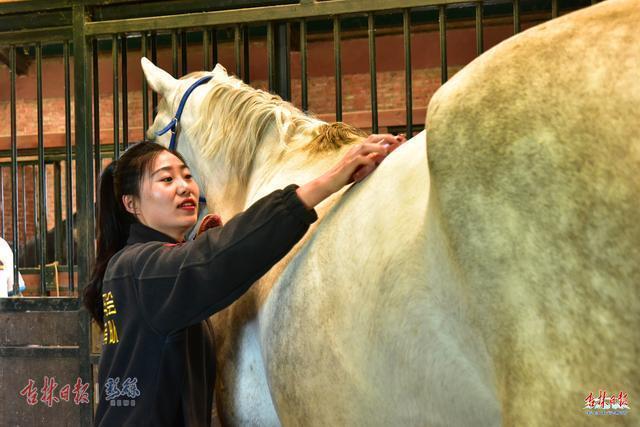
357 164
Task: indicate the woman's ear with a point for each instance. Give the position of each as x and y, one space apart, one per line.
130 204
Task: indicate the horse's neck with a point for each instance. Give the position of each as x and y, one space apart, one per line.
296 167
274 167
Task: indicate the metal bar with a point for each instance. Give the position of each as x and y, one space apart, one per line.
14 168
31 36
84 190
42 174
53 154
271 63
372 72
214 47
479 29
24 6
283 68
36 207
338 67
236 50
442 20
30 6
255 14
246 73
34 20
23 181
57 208
22 162
174 53
154 59
145 91
516 16
554 9
304 90
116 97
125 95
406 32
206 54
44 352
96 106
8 305
68 164
183 51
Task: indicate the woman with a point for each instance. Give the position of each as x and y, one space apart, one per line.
152 292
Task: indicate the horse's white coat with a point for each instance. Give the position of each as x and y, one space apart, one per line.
534 159
6 271
374 318
494 282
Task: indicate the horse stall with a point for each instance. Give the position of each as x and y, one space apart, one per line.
73 96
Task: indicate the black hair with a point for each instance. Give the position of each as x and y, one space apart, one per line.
121 177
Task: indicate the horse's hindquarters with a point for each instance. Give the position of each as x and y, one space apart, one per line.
534 155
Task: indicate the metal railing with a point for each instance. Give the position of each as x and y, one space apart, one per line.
19 162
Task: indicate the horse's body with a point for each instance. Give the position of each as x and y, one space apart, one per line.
495 282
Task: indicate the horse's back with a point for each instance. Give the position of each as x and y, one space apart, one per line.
534 151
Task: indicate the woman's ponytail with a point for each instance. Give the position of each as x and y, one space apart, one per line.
112 231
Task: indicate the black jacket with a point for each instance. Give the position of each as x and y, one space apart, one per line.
157 366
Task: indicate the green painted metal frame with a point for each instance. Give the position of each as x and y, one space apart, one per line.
39 304
253 15
84 185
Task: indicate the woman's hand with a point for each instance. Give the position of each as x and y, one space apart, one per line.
357 164
209 221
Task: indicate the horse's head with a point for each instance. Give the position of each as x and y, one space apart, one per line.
171 91
232 134
208 170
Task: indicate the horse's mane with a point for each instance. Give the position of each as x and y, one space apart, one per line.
235 117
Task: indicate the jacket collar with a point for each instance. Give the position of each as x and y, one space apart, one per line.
140 233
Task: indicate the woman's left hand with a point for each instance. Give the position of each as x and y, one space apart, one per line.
355 165
209 221
386 140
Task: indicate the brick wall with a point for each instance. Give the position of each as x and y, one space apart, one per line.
28 200
321 84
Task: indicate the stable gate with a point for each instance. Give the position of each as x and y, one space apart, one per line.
48 356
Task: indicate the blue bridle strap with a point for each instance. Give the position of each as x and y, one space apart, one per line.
175 122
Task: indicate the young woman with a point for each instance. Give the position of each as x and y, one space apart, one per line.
152 292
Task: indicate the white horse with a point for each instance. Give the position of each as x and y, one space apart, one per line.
6 271
496 282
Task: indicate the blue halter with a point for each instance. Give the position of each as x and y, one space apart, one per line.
175 122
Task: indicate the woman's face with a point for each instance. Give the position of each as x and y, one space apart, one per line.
168 197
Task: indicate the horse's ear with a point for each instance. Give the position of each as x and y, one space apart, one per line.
219 69
159 80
